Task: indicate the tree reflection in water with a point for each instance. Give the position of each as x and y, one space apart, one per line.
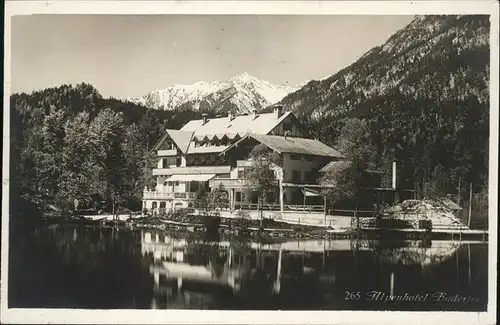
66 266
86 267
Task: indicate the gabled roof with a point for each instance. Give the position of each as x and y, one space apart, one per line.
338 166
291 145
243 124
180 138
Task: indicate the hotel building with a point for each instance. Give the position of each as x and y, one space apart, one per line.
214 153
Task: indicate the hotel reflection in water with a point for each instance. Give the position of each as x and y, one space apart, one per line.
189 272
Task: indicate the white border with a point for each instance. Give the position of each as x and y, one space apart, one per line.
31 316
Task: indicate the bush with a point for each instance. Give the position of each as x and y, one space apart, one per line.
133 204
179 215
241 223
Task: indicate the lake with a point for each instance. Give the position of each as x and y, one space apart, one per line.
70 266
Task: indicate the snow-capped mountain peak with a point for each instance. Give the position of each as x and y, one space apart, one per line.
239 94
243 78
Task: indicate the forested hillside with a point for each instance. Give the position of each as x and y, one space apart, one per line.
68 142
423 96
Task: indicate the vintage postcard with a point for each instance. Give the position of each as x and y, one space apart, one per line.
250 162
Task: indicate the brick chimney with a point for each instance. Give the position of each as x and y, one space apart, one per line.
204 118
230 116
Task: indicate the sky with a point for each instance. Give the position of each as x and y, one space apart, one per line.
128 56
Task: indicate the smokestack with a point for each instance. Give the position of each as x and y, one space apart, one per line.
394 174
278 111
254 114
204 118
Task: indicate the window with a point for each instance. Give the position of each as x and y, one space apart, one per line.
295 157
168 161
296 176
309 176
308 158
154 205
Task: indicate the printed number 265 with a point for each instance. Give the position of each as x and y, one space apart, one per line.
352 295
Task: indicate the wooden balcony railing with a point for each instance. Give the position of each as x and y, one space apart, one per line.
168 195
229 182
192 170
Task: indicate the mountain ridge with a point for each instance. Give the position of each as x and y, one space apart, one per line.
424 96
394 64
241 93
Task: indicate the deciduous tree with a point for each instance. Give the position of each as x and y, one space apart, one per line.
261 174
344 180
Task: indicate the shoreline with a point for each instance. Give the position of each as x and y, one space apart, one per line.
251 229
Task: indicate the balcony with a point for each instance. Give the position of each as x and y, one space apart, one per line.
156 195
192 170
167 153
229 182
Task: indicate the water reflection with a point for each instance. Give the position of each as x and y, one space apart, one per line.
303 274
87 267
